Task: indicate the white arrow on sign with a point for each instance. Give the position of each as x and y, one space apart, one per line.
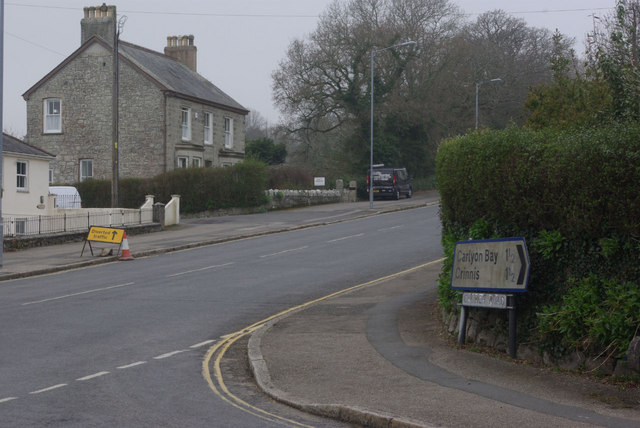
491 265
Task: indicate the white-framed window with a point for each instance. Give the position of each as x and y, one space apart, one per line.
52 122
86 169
21 226
228 132
21 175
185 124
50 176
208 128
196 162
183 161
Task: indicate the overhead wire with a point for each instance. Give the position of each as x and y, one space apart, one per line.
246 15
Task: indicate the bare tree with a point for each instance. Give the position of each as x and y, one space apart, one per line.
501 46
256 125
422 94
323 83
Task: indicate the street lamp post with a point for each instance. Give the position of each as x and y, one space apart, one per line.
477 90
373 54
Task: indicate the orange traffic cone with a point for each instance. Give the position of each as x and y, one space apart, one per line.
126 254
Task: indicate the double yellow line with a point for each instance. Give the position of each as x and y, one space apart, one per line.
218 351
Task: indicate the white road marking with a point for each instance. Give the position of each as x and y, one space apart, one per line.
384 229
284 252
79 294
104 373
170 354
93 376
199 270
346 237
128 366
51 388
201 344
331 216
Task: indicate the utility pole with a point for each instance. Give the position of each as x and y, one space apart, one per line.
115 132
1 123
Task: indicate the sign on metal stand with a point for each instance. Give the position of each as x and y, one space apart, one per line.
109 235
489 272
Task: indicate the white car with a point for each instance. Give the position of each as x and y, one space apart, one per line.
66 196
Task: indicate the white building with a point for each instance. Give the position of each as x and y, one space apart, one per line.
25 178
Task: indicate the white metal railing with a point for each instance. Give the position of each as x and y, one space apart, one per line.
74 221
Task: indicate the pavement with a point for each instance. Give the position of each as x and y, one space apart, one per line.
376 355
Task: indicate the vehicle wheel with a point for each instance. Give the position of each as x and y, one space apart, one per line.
397 195
409 193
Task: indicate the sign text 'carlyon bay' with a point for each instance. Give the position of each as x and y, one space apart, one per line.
491 265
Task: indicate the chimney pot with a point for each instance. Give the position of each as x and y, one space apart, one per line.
182 49
100 21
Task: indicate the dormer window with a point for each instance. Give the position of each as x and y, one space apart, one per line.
52 122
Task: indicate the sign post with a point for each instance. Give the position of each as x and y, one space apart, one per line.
489 272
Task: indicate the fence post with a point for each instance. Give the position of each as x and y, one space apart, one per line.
65 221
39 225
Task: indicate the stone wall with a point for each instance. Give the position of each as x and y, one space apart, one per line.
490 328
141 146
280 199
84 86
215 152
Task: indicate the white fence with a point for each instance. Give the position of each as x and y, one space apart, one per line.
80 220
75 221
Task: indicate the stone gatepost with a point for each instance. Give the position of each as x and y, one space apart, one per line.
353 195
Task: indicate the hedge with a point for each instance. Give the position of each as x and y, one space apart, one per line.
574 196
200 189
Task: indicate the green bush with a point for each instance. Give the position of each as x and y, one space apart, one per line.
583 183
596 316
572 194
95 193
200 189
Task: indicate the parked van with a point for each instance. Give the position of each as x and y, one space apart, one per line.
66 196
390 182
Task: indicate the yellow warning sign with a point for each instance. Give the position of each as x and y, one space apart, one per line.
105 234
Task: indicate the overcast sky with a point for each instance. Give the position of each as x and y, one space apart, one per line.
239 42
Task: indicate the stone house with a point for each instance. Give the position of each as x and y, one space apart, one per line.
25 179
168 115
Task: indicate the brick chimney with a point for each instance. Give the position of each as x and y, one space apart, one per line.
98 21
182 49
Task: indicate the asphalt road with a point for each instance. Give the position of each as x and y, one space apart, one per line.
122 344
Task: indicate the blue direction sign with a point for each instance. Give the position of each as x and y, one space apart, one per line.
493 265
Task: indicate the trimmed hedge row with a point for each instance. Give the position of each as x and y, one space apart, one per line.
582 183
200 189
575 197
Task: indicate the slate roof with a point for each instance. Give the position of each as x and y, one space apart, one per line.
170 74
175 76
13 145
